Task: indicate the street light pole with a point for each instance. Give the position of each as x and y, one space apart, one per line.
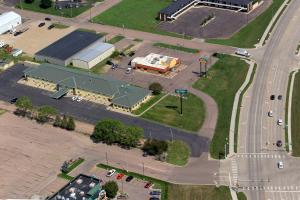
226 148
143 169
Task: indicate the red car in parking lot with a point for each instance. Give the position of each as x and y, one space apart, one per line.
148 185
120 176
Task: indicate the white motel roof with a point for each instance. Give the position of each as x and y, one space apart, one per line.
93 51
8 17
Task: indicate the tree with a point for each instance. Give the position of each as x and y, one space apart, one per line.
64 122
46 3
131 136
156 88
111 188
71 124
24 104
107 131
155 147
44 113
29 1
57 121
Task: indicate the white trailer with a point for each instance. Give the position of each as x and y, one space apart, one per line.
9 21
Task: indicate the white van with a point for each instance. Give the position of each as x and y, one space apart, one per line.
242 52
16 52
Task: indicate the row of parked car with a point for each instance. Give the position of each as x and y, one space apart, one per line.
43 24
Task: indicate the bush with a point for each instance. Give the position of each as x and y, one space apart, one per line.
46 3
71 124
57 121
155 147
156 88
111 188
64 122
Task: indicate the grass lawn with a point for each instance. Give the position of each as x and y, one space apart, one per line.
248 36
178 48
202 192
65 176
65 12
147 104
116 39
167 111
241 196
225 77
135 14
178 153
295 126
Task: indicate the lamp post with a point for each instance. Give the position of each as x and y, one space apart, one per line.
226 147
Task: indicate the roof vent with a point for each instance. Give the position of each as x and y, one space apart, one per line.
92 185
81 193
79 181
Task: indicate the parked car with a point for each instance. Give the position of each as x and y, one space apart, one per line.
154 198
110 172
16 52
279 143
2 44
279 97
14 100
155 192
145 154
272 97
270 113
128 70
109 62
129 178
17 33
280 165
42 24
47 19
5 46
50 27
120 176
279 122
148 185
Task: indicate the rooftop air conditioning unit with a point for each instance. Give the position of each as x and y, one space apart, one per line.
93 184
79 181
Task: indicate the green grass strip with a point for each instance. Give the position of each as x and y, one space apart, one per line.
116 39
178 48
178 153
65 176
286 136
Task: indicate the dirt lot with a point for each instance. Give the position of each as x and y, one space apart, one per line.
224 24
184 78
31 156
36 38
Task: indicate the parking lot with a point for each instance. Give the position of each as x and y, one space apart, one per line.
35 38
190 22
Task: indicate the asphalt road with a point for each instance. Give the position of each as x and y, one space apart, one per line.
255 168
91 112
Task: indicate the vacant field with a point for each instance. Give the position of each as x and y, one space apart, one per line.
178 153
135 14
224 79
186 192
295 126
167 111
248 36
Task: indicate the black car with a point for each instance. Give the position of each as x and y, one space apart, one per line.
129 178
47 19
42 24
154 198
50 27
17 33
155 192
109 62
14 100
279 143
272 97
279 97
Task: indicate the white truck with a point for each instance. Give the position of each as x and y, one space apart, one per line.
242 52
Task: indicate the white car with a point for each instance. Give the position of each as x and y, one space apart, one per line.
79 99
16 52
1 43
280 165
74 98
242 52
270 113
279 122
110 172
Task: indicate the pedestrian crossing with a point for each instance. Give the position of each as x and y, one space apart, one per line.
261 155
289 188
234 172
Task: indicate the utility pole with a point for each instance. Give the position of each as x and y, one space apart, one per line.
143 169
226 148
181 104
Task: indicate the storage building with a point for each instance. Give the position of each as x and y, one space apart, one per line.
63 50
9 21
93 55
155 62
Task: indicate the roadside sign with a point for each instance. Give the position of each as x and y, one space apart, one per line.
181 91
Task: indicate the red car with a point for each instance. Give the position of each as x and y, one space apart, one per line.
120 176
148 185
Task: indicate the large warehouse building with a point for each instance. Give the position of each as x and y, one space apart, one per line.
93 55
176 8
118 94
9 21
79 48
155 62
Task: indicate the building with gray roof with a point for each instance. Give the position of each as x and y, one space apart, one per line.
63 50
93 55
119 93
